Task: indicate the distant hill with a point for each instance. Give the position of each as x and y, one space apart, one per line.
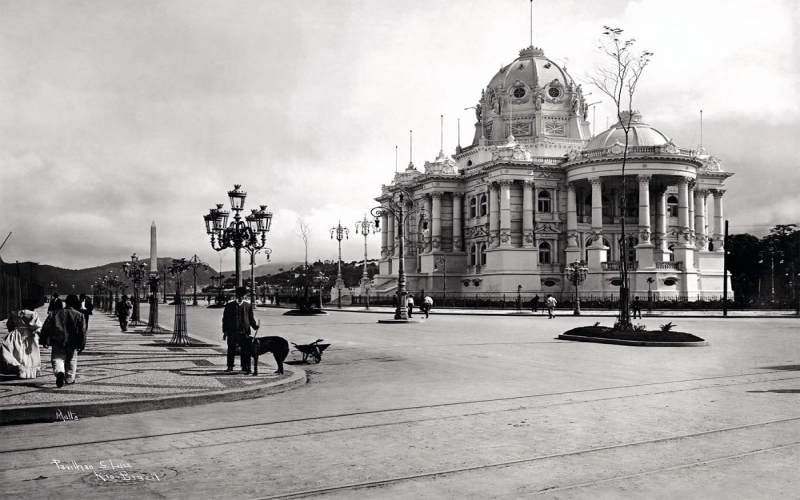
80 280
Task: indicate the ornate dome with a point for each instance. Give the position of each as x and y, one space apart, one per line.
531 68
641 134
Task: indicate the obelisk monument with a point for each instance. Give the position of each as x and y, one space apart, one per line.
153 250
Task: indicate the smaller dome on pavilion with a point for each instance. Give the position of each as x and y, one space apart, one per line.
640 134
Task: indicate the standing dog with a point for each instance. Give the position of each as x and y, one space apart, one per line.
278 346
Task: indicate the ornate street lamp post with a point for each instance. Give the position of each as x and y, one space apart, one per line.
576 273
320 280
650 282
194 263
365 226
253 251
136 272
238 234
437 261
401 209
340 233
179 331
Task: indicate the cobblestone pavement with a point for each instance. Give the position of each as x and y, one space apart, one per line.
123 372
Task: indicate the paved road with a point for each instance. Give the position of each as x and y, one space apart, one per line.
456 407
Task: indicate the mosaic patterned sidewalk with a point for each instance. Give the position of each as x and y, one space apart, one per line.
123 372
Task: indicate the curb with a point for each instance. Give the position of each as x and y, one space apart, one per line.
46 413
640 343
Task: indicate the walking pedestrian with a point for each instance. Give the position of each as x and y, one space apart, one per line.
55 303
86 308
237 320
410 304
535 305
124 311
427 304
65 331
550 304
20 349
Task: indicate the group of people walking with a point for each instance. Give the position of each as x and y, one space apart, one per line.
63 332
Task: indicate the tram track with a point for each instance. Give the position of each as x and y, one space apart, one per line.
527 460
264 425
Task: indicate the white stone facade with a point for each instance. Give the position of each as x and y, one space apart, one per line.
534 192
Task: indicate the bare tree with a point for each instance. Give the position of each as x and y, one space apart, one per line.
305 233
619 81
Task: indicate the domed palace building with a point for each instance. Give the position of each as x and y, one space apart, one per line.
535 192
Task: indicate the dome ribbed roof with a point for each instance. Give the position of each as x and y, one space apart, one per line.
641 134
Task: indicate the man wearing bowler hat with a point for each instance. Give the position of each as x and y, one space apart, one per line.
237 320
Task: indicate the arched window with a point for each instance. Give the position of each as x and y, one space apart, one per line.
483 254
473 207
473 250
484 205
672 206
544 253
544 205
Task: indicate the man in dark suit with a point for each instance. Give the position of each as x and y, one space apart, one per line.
55 304
86 308
237 320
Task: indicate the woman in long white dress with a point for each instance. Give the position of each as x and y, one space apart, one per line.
20 349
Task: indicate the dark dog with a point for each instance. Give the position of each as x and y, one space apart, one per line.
276 345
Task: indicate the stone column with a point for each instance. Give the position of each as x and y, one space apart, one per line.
597 253
691 211
700 237
660 252
573 250
458 242
436 199
684 249
644 250
494 216
527 213
427 200
391 237
505 212
385 235
718 218
597 210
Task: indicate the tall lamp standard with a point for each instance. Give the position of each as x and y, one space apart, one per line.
179 333
320 280
442 259
239 233
340 233
650 282
576 273
136 272
194 263
364 226
400 210
253 251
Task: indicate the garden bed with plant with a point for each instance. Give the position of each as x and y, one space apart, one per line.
637 334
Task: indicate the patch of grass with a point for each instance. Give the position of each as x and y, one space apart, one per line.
604 332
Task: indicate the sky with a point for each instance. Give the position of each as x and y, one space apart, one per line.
115 114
